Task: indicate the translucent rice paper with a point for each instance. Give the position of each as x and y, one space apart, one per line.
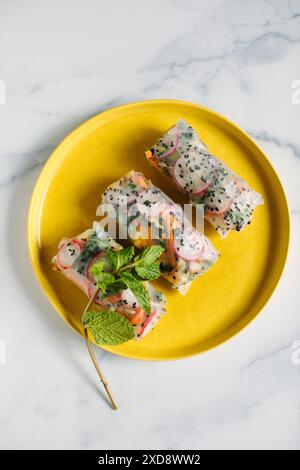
182 157
150 217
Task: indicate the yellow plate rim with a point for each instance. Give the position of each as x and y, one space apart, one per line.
234 329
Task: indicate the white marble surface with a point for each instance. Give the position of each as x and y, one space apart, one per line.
63 61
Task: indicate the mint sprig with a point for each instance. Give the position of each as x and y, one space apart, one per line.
129 273
109 327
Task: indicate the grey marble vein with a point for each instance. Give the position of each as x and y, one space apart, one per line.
264 136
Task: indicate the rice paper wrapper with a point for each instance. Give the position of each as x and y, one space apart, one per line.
182 157
151 217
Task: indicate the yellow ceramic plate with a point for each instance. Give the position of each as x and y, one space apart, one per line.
110 144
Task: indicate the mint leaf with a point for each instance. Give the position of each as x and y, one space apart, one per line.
102 278
120 258
149 255
97 268
104 281
108 327
138 290
105 278
149 272
115 287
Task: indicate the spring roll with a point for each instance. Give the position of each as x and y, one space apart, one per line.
182 157
74 260
151 217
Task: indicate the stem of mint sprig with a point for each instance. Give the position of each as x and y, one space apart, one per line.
126 271
92 354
